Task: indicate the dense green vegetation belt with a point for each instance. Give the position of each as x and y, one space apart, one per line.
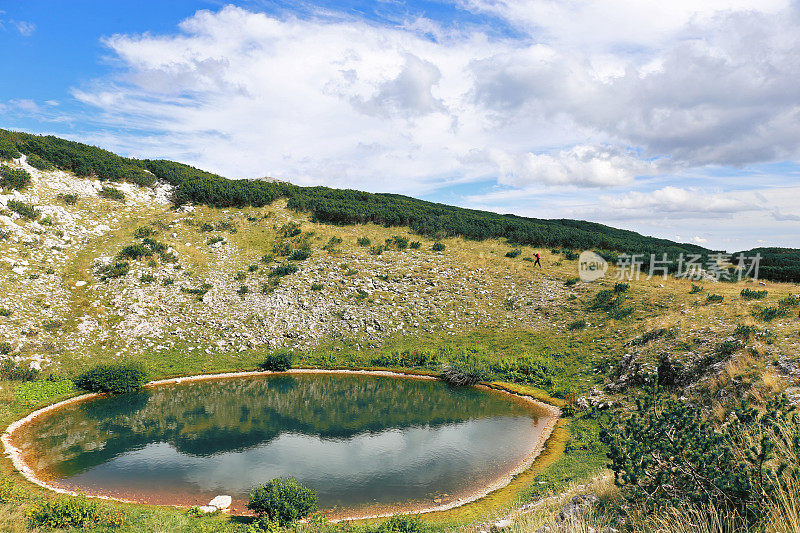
343 206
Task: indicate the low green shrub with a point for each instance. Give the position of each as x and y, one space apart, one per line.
37 162
5 348
14 178
696 289
252 268
115 378
270 286
728 348
438 247
244 289
376 250
226 225
415 245
24 210
513 253
576 325
199 292
214 240
264 524
466 369
398 241
114 270
277 361
789 302
745 332
290 229
332 244
750 294
712 298
316 286
283 270
300 255
147 248
31 393
283 499
14 371
147 278
65 512
6 490
621 287
5 312
8 150
667 453
144 232
770 313
571 281
69 199
363 241
569 255
240 276
111 194
166 282
52 325
404 524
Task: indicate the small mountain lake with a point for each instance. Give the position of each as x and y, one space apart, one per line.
366 443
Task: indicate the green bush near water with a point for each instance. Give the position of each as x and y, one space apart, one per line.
113 378
283 499
467 369
404 524
65 512
277 362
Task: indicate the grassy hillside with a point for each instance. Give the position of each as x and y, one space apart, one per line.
338 206
102 270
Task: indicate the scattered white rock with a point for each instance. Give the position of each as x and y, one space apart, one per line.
221 502
501 526
80 283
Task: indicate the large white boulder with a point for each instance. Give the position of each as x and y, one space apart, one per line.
221 502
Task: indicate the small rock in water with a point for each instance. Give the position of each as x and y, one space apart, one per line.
221 502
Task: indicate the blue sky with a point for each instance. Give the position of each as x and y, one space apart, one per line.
667 118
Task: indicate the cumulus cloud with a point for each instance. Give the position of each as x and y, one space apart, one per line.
416 106
582 165
677 201
580 95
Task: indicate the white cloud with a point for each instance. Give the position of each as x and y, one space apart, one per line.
604 25
676 201
589 94
25 29
344 102
582 165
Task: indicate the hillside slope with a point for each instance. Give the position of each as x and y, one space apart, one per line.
97 271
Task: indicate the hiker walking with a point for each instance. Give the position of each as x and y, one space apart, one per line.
538 260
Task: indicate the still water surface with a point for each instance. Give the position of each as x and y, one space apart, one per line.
364 443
